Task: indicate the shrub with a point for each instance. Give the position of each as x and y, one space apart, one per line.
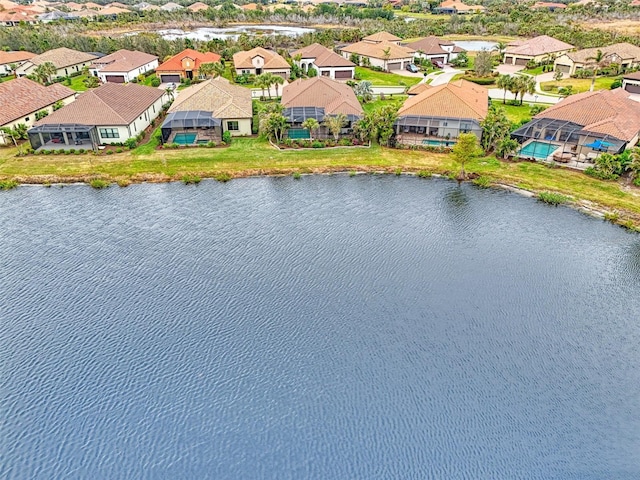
131 143
297 176
423 174
482 181
8 184
119 150
211 144
77 152
617 83
58 152
124 182
47 152
612 217
398 171
155 82
223 177
226 137
67 152
553 198
317 144
109 152
352 173
98 183
191 179
481 81
345 142
80 150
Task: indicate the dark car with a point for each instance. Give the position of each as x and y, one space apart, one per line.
412 68
437 63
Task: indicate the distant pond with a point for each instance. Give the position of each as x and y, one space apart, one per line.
209 33
475 45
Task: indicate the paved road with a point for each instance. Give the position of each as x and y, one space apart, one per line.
498 94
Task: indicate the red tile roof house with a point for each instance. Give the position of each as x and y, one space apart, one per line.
13 58
535 49
123 66
185 64
581 127
318 98
111 113
439 114
326 62
260 60
436 49
66 60
22 98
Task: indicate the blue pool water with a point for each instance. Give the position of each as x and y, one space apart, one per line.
332 327
539 150
184 138
438 143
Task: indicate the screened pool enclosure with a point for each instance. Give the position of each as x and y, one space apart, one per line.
196 126
58 136
297 115
433 131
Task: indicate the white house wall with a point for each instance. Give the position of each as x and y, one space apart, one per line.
128 76
138 125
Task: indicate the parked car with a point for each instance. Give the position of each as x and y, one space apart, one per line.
412 68
437 63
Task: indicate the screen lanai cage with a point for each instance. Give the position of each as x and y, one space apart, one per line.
188 121
297 115
429 130
546 137
60 135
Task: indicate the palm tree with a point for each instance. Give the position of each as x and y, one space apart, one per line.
386 54
600 61
364 90
504 82
261 83
207 69
277 80
525 84
45 71
312 125
266 79
13 67
500 47
335 123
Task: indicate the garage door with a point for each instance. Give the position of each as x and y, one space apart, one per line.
521 61
344 74
508 60
439 59
563 68
394 66
169 78
631 88
114 78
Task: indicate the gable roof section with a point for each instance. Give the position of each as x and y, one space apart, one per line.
459 6
323 57
113 10
63 57
608 112
22 96
322 92
418 88
123 61
15 57
271 59
459 99
109 104
376 50
430 45
381 37
175 63
198 6
625 51
538 46
217 96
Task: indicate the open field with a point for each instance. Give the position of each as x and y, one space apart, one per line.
579 84
621 27
385 79
250 156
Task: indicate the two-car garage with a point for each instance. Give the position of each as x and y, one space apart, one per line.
169 78
115 78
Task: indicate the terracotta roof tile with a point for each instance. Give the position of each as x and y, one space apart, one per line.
322 92
174 64
430 45
22 96
109 104
63 57
418 89
538 46
459 99
197 7
123 61
217 96
381 37
377 50
323 56
625 51
271 59
15 57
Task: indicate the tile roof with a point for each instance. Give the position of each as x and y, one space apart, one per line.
123 61
625 51
632 76
553 5
113 10
218 96
376 50
323 57
608 112
271 59
22 96
198 6
418 88
459 6
429 45
174 64
171 6
15 57
109 104
459 99
63 57
322 92
538 46
381 37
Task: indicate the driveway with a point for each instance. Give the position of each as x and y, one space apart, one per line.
407 73
503 69
447 74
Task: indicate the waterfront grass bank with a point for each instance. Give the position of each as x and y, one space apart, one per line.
250 157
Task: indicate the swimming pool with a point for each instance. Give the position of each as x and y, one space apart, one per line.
539 150
184 138
438 143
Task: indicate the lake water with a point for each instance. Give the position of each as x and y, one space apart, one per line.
475 45
206 33
329 328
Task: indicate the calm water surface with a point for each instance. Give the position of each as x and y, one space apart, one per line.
328 328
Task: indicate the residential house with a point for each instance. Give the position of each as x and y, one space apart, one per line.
171 7
385 55
249 7
87 13
198 7
631 82
203 112
382 37
13 16
185 64
536 49
22 98
581 127
112 11
456 7
66 61
319 98
111 113
92 6
259 60
9 59
624 54
635 3
145 7
327 63
435 49
551 6
438 115
56 16
123 66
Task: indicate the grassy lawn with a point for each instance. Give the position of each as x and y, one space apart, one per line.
249 156
384 78
395 100
421 15
6 78
149 79
579 84
533 71
516 113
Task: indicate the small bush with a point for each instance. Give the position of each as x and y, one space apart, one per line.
297 176
98 183
345 142
77 152
211 145
612 217
553 198
226 137
398 171
124 182
317 144
191 179
8 184
223 177
59 152
423 174
482 181
119 150
155 82
109 152
352 173
131 143
80 150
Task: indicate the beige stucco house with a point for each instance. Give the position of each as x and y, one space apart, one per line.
66 61
624 54
536 49
260 60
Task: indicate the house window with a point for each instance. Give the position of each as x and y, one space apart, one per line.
246 72
26 119
465 127
233 125
109 133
